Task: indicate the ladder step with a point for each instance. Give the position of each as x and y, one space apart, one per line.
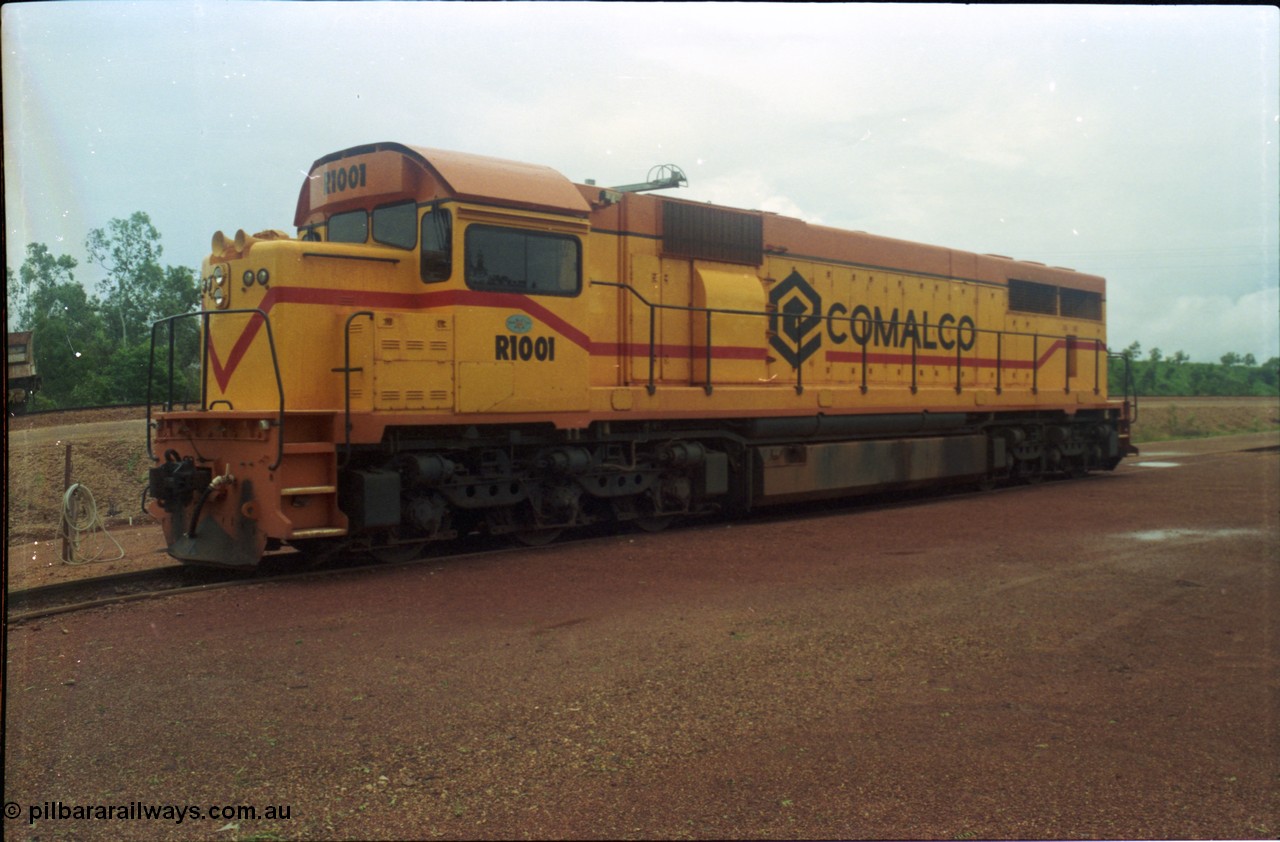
309 489
319 532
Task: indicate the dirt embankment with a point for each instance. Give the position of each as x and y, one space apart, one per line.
1162 419
108 453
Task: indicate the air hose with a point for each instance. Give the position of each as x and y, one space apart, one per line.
80 519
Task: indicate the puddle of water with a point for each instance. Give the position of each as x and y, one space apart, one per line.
1175 534
1157 464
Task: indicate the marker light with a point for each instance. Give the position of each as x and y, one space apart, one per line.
263 276
248 277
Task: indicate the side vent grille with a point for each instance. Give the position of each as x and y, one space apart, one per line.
1078 304
1030 297
706 233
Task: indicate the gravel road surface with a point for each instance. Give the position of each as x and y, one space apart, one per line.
1094 659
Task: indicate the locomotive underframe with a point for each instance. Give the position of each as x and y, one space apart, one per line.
425 484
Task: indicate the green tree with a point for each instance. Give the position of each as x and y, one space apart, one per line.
95 350
136 292
129 251
1230 358
70 346
38 277
1269 373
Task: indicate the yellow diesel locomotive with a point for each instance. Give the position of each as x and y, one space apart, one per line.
454 343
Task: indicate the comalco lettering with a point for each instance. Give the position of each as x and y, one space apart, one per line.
867 326
797 316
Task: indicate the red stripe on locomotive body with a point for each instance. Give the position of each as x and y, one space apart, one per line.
222 371
455 298
947 359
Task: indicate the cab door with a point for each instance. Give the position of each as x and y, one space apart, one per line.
519 324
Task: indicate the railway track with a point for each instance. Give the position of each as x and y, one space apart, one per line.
96 592
46 600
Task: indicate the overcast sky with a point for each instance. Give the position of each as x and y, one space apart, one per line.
1139 143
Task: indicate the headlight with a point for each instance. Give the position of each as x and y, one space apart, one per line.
263 276
219 298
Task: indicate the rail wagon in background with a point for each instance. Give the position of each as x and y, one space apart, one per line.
22 380
453 343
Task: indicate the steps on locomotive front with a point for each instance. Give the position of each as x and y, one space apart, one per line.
310 494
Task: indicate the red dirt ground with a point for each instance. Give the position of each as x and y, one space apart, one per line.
1088 659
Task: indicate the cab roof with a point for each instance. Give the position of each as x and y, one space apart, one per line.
472 177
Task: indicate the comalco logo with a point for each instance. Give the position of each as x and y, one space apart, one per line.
797 323
795 319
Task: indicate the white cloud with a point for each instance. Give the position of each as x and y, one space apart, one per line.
1150 131
1208 326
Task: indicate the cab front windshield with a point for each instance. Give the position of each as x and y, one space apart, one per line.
390 225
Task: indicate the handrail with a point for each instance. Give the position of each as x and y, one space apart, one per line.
653 308
1129 387
346 383
204 368
828 318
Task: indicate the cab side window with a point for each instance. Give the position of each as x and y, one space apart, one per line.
437 246
531 262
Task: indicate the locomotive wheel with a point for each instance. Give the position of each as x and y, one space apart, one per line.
397 553
536 537
1028 471
654 523
319 551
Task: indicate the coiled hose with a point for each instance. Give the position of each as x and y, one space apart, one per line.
80 519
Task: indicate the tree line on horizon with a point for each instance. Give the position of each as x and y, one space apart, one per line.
1234 375
93 347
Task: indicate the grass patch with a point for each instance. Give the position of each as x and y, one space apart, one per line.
1169 420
